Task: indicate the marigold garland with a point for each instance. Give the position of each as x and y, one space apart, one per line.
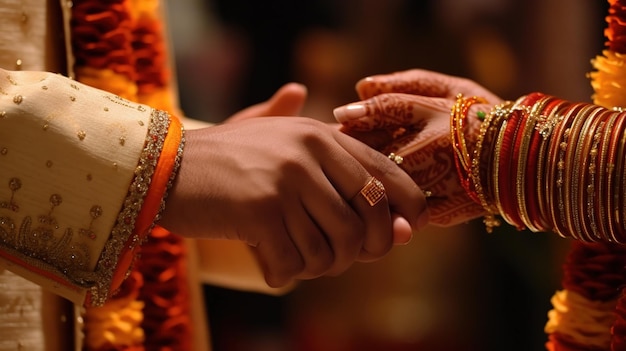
116 83
167 310
101 33
609 79
618 330
594 297
580 320
593 278
119 46
117 323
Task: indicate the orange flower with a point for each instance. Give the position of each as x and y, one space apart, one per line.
595 270
166 294
150 55
117 324
108 80
616 29
102 36
618 331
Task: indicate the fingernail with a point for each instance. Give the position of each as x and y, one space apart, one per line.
351 111
402 231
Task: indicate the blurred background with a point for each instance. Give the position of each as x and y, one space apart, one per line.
451 288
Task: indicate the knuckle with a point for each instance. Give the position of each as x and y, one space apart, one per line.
289 266
293 165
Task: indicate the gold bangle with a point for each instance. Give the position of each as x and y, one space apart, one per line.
543 179
612 181
501 114
520 180
557 157
496 164
586 160
600 205
621 156
572 173
458 117
485 135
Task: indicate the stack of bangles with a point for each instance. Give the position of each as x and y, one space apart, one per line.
546 164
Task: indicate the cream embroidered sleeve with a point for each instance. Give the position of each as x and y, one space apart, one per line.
69 187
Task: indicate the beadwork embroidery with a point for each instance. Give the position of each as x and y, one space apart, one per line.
41 241
14 185
123 229
36 244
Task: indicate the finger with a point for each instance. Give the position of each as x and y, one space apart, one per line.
355 218
376 139
414 81
326 202
279 259
404 196
373 138
287 101
390 111
372 203
312 244
421 82
448 202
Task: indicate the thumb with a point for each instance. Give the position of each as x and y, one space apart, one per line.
286 101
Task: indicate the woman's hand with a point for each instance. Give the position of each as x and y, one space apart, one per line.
423 83
408 113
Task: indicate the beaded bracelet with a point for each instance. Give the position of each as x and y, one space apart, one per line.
458 118
487 134
523 164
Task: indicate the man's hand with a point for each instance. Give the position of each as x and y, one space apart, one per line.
289 187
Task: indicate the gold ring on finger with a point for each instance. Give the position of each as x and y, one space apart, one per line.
373 191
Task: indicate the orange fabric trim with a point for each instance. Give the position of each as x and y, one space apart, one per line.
152 202
161 177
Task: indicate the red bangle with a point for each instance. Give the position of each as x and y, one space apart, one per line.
511 152
503 167
534 169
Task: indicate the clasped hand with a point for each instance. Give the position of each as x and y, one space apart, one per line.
289 188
